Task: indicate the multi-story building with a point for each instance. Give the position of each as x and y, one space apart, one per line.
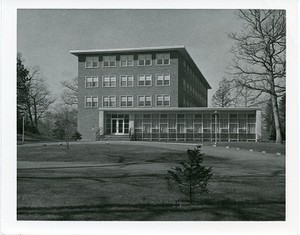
154 94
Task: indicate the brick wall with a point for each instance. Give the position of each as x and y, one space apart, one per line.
183 93
88 118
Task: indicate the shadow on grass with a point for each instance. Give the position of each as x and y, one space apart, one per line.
92 178
120 164
142 212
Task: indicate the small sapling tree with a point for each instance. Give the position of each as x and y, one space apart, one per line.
191 177
65 125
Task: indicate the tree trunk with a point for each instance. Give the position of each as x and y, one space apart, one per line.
30 118
276 119
191 195
35 117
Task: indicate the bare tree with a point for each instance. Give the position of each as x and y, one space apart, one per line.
34 98
223 96
232 93
40 99
244 96
70 92
259 56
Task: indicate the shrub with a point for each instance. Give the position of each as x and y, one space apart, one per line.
76 136
191 177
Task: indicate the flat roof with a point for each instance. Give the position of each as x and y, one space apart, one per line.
180 48
182 109
137 49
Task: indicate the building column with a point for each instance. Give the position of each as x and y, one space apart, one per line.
101 123
131 123
258 125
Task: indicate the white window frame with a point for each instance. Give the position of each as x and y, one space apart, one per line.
129 60
109 101
144 96
93 78
110 59
164 56
92 101
127 100
147 96
127 79
109 80
164 76
143 57
163 96
164 100
145 79
138 101
94 59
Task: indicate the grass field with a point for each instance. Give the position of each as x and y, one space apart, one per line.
126 181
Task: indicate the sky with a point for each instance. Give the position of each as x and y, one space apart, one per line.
45 37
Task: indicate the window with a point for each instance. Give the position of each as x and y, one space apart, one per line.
251 128
163 80
145 80
145 60
233 118
180 128
91 82
141 101
251 118
163 100
126 60
148 101
163 59
159 101
144 101
91 102
109 101
91 62
166 100
126 101
126 81
109 61
109 81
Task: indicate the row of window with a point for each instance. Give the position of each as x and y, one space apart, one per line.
127 80
198 123
193 77
193 103
198 94
127 101
127 60
196 128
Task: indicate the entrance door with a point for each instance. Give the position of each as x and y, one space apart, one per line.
117 126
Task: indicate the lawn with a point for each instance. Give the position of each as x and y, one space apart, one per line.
126 181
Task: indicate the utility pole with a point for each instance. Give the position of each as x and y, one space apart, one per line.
23 122
216 127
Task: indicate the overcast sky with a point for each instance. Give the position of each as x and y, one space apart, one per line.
45 37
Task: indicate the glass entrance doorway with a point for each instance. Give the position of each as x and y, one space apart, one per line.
117 125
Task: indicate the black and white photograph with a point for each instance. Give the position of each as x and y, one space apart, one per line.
152 115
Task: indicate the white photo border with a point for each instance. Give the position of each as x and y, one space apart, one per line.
9 223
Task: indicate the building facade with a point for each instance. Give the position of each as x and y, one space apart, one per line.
156 94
